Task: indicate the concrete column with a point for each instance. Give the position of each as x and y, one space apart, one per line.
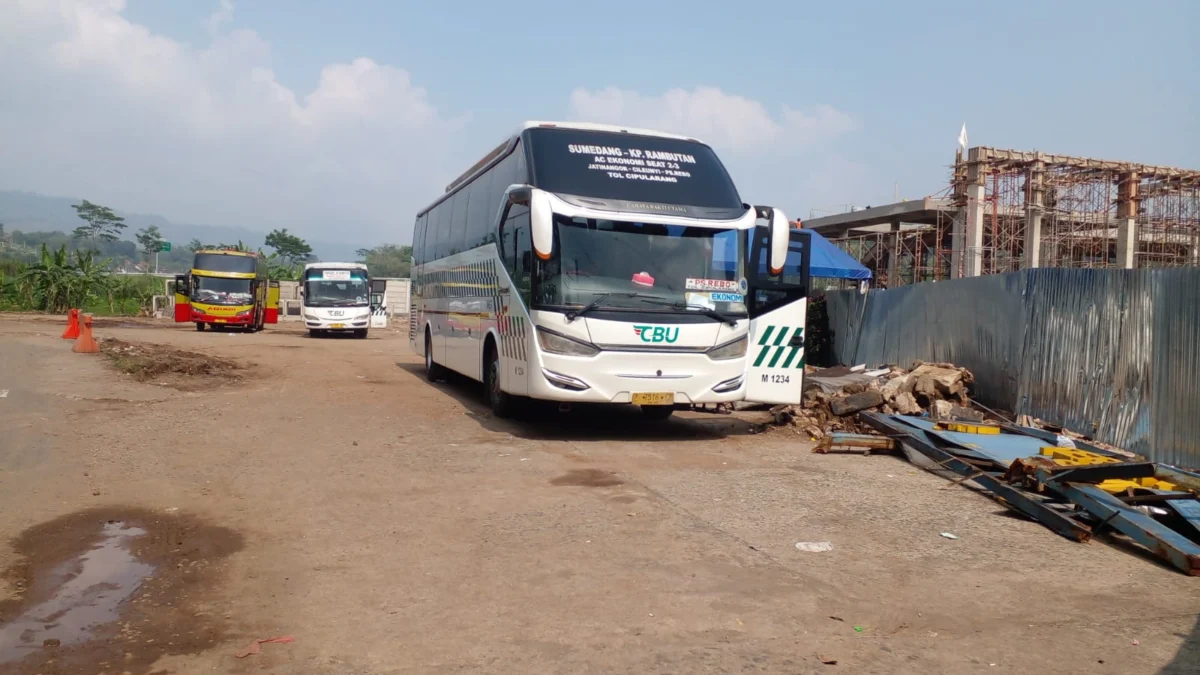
1127 211
1034 202
973 232
894 257
956 243
966 258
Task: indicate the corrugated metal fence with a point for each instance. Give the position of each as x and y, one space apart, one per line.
1110 353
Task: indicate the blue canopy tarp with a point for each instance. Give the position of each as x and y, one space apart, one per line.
830 262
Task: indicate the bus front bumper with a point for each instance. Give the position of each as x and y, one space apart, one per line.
235 320
638 377
356 323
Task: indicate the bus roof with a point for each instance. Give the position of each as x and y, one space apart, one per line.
590 126
335 266
506 146
221 251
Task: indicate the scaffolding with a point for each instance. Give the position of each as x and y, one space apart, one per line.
918 252
1079 212
1005 210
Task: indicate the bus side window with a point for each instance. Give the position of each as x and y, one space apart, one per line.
517 248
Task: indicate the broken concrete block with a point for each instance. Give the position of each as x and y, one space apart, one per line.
848 405
940 410
926 387
895 386
906 404
948 381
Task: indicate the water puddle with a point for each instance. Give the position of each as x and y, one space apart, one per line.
85 593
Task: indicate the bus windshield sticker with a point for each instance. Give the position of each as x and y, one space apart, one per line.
720 285
336 275
636 164
700 300
728 297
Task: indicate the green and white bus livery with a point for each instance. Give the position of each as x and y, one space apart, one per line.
591 263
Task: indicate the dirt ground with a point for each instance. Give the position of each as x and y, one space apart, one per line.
328 494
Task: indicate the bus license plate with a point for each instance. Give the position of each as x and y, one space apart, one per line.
220 320
665 398
337 325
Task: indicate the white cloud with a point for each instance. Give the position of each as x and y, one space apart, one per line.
726 121
97 106
222 16
780 159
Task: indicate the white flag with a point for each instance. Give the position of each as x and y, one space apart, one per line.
962 137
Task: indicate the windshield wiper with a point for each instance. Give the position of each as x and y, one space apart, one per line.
707 311
595 304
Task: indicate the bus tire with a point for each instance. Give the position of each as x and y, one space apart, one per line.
314 333
502 403
658 412
433 372
199 326
361 333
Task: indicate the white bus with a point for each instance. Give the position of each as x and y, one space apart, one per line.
338 297
591 263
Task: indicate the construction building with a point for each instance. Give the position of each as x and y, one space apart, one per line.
1006 210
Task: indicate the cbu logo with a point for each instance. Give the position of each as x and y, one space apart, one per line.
657 333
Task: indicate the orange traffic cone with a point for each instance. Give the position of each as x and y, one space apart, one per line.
72 330
86 344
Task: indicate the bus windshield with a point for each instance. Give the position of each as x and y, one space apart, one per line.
336 288
219 262
691 267
221 291
631 168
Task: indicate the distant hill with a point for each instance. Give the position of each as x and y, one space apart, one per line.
31 212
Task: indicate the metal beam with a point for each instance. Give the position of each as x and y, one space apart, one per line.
1164 542
1007 495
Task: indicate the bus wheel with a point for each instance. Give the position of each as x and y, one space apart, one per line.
502 403
361 334
199 326
314 333
658 412
433 372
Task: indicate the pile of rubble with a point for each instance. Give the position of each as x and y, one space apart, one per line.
834 396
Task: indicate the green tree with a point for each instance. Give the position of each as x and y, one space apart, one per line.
101 224
195 245
55 283
387 260
292 249
150 239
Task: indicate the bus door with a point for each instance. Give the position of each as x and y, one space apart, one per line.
777 304
183 301
271 315
379 304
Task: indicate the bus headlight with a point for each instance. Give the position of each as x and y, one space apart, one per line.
730 350
246 312
554 343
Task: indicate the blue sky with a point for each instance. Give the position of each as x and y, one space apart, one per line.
812 105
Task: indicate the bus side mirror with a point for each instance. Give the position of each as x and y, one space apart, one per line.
780 234
520 196
541 221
